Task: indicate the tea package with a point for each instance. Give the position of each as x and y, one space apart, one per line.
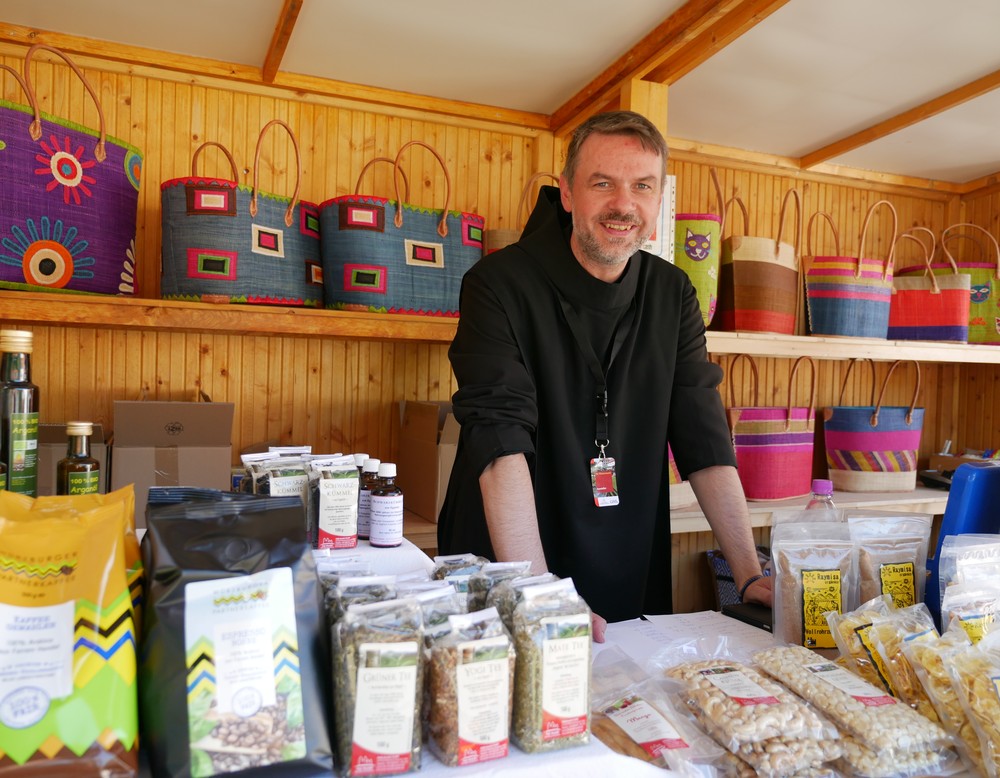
492 573
552 687
68 689
234 640
378 682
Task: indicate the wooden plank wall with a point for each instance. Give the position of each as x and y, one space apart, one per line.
340 394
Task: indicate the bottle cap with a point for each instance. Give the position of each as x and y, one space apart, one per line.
371 465
19 341
387 470
359 460
79 428
822 486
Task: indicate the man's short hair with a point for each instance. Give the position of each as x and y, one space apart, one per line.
616 123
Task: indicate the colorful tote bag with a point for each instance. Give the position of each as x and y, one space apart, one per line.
774 445
499 237
226 242
387 256
850 295
68 197
759 287
984 279
928 306
873 448
697 251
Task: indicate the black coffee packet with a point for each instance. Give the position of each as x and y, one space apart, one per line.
234 660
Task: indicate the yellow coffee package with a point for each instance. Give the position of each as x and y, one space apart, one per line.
68 694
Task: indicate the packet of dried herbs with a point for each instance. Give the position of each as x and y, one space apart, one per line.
378 669
332 507
552 685
437 604
505 595
892 554
234 642
491 574
815 569
457 568
471 690
68 687
357 589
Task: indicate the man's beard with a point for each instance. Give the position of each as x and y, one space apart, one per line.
620 249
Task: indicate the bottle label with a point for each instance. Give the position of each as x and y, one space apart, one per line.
386 522
22 469
83 483
364 512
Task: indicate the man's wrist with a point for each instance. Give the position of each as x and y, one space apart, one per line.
748 583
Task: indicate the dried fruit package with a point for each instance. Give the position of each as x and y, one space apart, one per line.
852 633
234 640
471 690
552 688
973 606
892 554
68 688
967 558
378 682
974 670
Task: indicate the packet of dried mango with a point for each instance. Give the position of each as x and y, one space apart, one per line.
68 690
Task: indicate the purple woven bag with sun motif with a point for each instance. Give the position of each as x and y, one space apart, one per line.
68 198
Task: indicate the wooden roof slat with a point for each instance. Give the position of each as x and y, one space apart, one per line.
279 39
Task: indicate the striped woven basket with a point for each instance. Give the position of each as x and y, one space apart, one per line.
774 445
873 448
850 295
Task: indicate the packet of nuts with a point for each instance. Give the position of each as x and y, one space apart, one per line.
484 579
892 554
552 685
852 633
471 690
635 715
378 669
815 570
930 661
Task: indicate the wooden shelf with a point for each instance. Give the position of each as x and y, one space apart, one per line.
920 500
173 316
420 532
42 308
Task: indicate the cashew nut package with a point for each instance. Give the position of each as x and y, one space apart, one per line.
876 719
757 719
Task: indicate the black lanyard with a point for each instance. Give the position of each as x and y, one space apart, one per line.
600 373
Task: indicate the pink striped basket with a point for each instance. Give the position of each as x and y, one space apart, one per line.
774 445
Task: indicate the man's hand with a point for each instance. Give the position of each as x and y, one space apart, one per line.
761 591
598 626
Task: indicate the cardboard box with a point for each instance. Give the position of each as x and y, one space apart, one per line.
941 462
52 448
170 444
428 440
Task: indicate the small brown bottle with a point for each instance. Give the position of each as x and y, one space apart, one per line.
386 522
78 472
369 480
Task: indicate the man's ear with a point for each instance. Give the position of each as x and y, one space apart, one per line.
565 195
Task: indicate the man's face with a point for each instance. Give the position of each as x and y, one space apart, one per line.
614 200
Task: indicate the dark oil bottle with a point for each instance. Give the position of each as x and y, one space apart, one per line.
19 401
78 472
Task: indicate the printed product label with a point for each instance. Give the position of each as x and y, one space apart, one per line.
864 633
338 510
293 484
483 679
645 725
364 512
22 470
821 592
36 661
898 581
739 686
84 483
852 684
244 688
565 676
386 520
383 714
976 625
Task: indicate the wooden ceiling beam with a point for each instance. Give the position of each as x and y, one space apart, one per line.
905 119
279 39
687 37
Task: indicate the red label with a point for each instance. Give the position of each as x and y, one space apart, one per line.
364 762
474 753
326 540
604 481
555 727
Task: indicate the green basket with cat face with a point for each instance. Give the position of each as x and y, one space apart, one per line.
698 251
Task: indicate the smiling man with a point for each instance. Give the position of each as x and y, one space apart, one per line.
578 357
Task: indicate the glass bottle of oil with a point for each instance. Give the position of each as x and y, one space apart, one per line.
78 472
19 401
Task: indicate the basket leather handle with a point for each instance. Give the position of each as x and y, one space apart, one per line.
885 383
847 374
523 201
833 228
947 236
289 212
35 129
369 163
442 229
721 198
864 234
743 210
927 247
197 153
812 392
753 371
793 192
